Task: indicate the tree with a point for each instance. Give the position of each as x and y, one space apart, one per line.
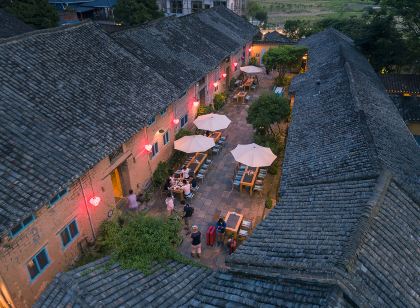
283 58
136 12
38 13
269 109
296 29
257 11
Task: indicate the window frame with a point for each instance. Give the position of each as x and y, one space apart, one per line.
36 263
71 237
155 149
22 225
166 138
184 119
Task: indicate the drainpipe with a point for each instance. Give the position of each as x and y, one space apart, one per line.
87 209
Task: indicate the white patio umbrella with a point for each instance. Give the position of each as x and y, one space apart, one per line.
251 69
212 122
194 143
253 155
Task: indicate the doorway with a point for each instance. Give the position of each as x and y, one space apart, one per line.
227 78
120 181
202 95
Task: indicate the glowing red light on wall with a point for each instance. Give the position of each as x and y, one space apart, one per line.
148 147
235 64
249 49
224 75
215 84
196 104
95 200
175 121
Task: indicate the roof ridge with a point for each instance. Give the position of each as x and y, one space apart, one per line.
364 223
35 33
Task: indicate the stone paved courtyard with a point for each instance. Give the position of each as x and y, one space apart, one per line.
215 194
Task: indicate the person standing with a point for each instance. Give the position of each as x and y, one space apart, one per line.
169 204
220 231
185 172
188 212
132 201
196 242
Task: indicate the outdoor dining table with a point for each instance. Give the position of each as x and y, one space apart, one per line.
216 136
249 178
196 162
248 84
233 222
177 190
241 95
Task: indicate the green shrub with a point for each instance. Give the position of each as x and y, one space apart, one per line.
203 109
274 168
176 159
268 203
183 132
219 100
232 84
142 241
282 81
268 141
161 174
253 61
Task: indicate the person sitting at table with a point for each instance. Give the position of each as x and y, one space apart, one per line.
167 184
186 187
194 184
185 172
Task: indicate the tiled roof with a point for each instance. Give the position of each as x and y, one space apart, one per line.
69 97
408 106
11 26
401 83
185 49
103 284
277 37
350 185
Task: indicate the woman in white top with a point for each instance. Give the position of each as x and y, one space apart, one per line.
186 188
185 172
169 204
132 200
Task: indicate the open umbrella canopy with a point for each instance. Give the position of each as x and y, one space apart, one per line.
253 155
194 143
251 69
212 122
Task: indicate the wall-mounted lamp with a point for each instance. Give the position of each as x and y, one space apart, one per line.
235 64
215 84
196 103
175 121
224 75
249 49
161 131
95 200
148 147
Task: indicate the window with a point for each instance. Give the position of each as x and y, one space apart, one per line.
166 138
176 7
151 121
57 197
116 154
184 120
21 226
197 6
69 233
38 263
155 149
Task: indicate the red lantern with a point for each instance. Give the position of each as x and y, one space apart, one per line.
215 84
249 49
148 147
95 200
196 103
175 121
235 64
224 75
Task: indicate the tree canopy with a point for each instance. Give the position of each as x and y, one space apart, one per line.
283 58
267 110
256 10
38 13
136 12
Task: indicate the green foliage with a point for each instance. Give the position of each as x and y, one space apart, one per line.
139 241
219 100
282 81
270 141
253 61
176 159
203 109
161 174
283 58
136 12
256 10
183 132
268 203
38 13
232 84
274 168
268 109
296 29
